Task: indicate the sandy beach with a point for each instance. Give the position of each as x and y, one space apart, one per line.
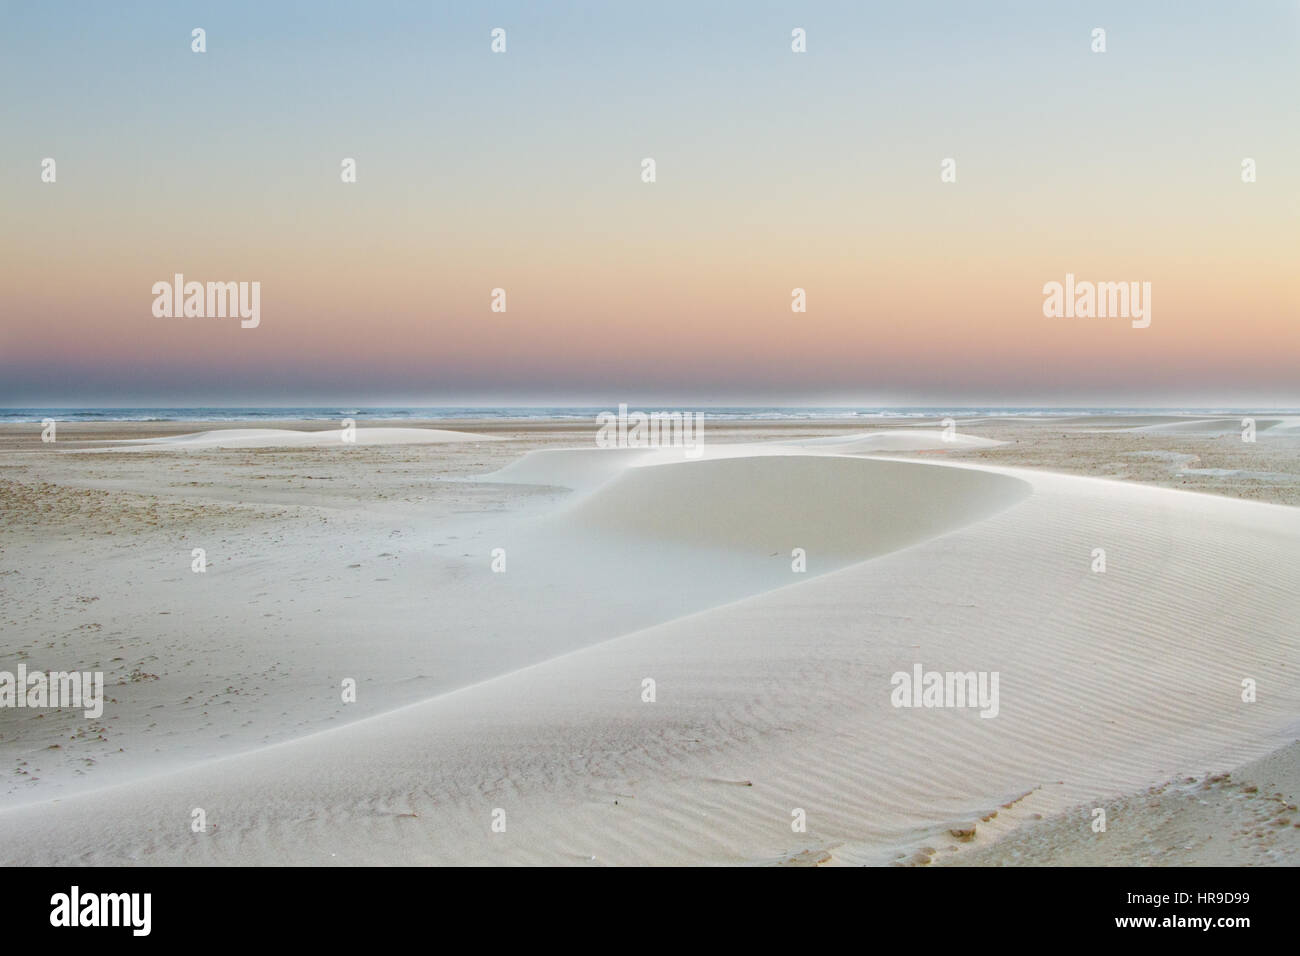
567 654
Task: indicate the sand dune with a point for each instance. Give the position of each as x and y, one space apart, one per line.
284 437
886 441
781 701
836 507
583 469
1288 426
1219 426
579 469
1205 427
1124 422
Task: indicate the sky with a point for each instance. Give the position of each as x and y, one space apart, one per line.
775 170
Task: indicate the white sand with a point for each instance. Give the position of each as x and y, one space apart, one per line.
887 441
832 507
522 691
291 438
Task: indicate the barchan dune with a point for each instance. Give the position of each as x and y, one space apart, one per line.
772 704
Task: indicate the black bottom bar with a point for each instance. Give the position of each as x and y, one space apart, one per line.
331 905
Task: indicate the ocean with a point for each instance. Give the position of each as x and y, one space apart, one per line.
574 412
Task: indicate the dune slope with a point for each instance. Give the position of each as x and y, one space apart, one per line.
779 706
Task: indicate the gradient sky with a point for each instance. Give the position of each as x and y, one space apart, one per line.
775 170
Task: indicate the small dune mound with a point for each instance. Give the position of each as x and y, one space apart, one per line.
1204 427
841 509
1287 427
287 437
882 441
580 469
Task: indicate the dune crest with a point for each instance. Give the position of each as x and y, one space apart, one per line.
842 508
892 440
287 437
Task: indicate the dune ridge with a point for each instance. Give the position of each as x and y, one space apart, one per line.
893 441
288 437
834 506
1109 681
